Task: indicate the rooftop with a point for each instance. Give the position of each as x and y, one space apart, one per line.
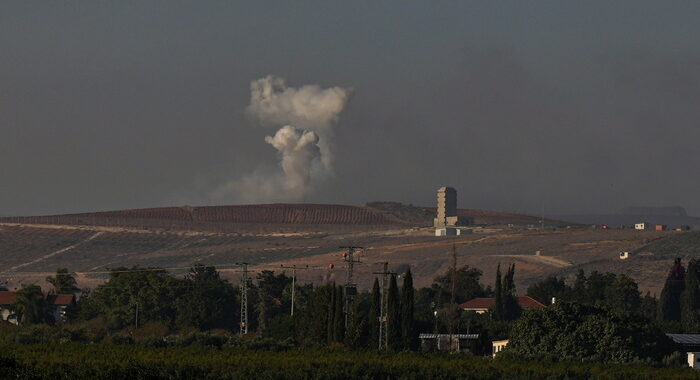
485 303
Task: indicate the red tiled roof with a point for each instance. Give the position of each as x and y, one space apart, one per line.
485 303
60 299
7 297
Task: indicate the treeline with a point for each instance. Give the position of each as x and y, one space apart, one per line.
596 317
202 300
676 310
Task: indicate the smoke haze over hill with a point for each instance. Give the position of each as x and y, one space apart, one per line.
561 108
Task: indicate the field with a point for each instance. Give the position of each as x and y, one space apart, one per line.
269 236
96 361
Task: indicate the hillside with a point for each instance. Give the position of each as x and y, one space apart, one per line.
268 217
220 218
267 236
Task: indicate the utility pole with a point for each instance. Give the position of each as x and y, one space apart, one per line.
350 288
384 307
294 281
244 299
452 296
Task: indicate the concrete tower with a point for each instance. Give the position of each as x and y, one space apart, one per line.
446 207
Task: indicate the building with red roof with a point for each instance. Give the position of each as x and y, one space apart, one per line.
482 305
58 305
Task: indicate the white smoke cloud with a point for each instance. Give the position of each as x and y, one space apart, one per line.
304 144
309 106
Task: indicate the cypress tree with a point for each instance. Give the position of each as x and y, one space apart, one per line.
511 309
393 324
330 288
374 309
407 312
339 316
669 300
498 304
690 299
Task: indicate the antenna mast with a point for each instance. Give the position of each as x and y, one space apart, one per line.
350 288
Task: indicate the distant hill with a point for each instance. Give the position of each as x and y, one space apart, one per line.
658 211
233 218
216 217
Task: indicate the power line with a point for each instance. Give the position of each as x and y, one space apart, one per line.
350 288
384 307
244 299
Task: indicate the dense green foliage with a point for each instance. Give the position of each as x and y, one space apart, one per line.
572 331
409 335
244 360
690 298
63 282
670 299
506 307
30 305
208 301
618 292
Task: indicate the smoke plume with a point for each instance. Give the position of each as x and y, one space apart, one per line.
304 144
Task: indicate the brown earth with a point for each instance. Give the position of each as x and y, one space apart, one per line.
28 253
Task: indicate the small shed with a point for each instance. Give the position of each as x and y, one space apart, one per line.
498 346
448 342
694 360
624 255
660 227
641 226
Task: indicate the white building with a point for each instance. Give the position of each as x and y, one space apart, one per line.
498 346
624 255
641 226
694 360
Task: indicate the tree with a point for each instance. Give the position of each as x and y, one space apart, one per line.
578 289
147 291
622 295
407 312
63 282
30 305
577 332
511 308
339 316
550 287
690 298
669 301
467 286
331 313
374 309
268 295
207 301
393 324
357 334
498 304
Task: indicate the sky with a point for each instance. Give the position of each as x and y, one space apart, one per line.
563 106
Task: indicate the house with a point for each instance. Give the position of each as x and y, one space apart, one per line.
7 298
482 305
660 227
448 342
624 255
57 306
641 226
690 344
498 346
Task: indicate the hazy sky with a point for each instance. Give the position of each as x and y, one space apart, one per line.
578 106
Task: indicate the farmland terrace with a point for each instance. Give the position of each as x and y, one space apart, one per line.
268 236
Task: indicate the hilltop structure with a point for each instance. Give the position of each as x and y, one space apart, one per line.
447 222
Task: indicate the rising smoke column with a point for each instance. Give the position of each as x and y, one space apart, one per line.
307 116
